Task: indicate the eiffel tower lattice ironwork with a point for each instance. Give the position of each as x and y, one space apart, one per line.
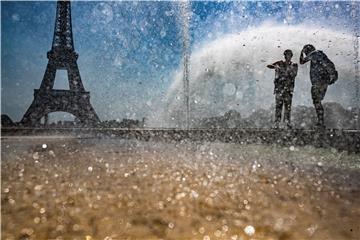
61 56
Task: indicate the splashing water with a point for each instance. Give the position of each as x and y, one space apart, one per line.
355 15
185 19
229 73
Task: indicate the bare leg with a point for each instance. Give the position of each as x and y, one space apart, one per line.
287 110
318 93
319 112
278 108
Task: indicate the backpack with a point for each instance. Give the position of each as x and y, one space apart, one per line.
330 68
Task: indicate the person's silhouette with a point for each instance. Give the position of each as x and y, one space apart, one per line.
322 73
285 73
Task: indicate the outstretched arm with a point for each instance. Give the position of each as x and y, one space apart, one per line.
273 66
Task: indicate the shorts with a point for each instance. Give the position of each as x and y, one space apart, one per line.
318 92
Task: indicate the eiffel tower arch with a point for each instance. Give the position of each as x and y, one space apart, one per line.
61 56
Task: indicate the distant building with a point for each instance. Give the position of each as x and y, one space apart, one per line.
231 119
303 117
125 123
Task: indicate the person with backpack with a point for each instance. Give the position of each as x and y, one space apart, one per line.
285 73
322 74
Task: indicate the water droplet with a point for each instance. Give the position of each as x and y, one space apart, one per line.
162 33
76 227
194 194
217 233
249 230
27 231
229 89
51 153
180 195
88 237
35 156
37 220
311 230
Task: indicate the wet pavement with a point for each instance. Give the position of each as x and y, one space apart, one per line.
66 188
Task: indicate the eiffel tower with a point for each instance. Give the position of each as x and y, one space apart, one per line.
61 56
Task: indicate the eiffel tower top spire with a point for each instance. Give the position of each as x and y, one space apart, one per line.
63 38
62 50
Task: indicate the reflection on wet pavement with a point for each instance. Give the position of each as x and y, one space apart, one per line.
114 189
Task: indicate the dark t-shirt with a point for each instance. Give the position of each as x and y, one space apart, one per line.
285 76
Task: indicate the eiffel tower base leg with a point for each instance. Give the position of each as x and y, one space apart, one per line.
74 102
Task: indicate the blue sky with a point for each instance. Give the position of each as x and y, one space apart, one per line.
129 50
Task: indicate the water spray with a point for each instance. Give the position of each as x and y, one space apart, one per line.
185 21
355 16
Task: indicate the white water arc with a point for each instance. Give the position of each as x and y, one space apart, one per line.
230 73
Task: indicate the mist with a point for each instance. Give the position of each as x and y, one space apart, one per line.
229 73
